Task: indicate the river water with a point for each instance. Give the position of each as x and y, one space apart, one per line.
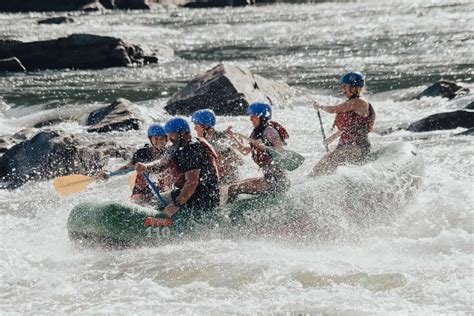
421 262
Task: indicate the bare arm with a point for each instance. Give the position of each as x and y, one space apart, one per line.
190 185
104 176
244 150
357 105
154 167
127 166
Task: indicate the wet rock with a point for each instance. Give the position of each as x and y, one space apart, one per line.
5 143
130 4
466 133
470 106
79 51
217 3
57 20
48 123
227 89
47 155
48 5
445 89
442 121
121 115
135 4
11 64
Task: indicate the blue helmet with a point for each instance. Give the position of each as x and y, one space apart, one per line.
177 125
204 117
353 78
260 109
156 130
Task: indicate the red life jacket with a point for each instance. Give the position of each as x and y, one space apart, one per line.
178 176
355 127
262 157
212 154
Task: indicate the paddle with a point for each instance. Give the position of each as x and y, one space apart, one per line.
75 183
322 131
155 190
287 159
161 199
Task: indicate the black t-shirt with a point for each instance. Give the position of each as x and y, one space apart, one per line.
143 155
195 156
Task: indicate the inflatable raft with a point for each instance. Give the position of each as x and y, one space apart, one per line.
361 195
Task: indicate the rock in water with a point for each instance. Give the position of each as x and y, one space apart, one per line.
442 121
227 89
445 89
77 51
47 155
121 115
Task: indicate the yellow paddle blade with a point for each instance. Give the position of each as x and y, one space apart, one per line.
71 184
132 179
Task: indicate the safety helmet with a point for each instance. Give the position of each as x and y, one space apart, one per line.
260 109
204 117
156 130
353 78
176 125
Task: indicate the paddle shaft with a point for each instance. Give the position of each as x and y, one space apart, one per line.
120 172
322 131
155 189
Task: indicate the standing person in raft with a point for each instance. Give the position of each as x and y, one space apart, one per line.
141 193
193 162
355 119
267 133
228 160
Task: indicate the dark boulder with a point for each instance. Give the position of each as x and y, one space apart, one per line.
445 89
79 51
48 155
470 106
48 5
217 3
121 115
134 4
57 20
11 64
227 89
442 121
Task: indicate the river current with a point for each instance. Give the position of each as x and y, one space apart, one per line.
421 262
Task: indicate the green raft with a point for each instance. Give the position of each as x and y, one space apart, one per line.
368 194
120 224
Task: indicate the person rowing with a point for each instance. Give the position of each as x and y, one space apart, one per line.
157 148
193 162
228 160
355 119
265 136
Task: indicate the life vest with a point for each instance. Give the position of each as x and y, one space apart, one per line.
260 156
355 127
212 154
179 177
